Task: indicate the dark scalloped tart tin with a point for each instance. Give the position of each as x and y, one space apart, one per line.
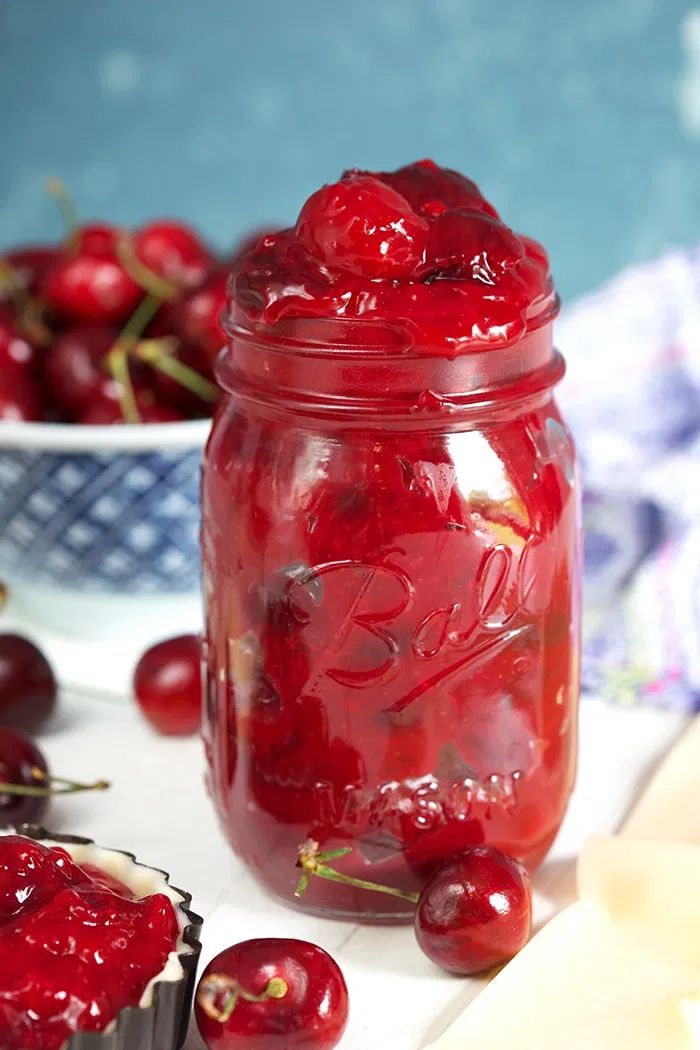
162 1025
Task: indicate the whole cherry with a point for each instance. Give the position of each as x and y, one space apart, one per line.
29 264
21 764
26 786
16 353
475 912
90 287
20 400
272 994
75 367
168 685
198 316
28 686
363 226
94 238
173 251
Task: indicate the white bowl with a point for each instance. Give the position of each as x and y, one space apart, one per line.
99 525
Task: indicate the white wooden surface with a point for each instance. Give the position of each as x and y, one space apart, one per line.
158 809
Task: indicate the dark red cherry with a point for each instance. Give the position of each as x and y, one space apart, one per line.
28 688
168 685
95 238
272 994
199 314
430 189
470 244
20 400
173 251
475 912
363 226
91 288
16 353
19 761
74 366
29 265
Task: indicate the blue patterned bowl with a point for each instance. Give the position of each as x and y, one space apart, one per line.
99 526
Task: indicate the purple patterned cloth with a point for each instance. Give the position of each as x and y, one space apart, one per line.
632 397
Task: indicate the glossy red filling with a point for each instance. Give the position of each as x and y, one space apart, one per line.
75 946
390 542
420 248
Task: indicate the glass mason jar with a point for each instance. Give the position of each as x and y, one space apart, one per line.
392 577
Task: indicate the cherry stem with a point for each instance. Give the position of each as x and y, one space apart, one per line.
158 354
150 281
27 309
56 188
4 595
214 984
313 863
65 787
8 280
118 355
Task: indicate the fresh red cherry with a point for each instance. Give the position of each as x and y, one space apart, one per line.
16 353
20 400
74 367
95 238
173 251
363 226
91 288
199 314
168 685
475 912
272 994
28 686
473 245
30 264
430 189
21 763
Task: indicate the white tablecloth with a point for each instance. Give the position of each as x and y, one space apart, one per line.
158 809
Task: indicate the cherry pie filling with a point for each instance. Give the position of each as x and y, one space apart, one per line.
76 945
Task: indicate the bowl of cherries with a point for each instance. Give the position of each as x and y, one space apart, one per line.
108 340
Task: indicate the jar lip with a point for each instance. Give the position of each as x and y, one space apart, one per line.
328 337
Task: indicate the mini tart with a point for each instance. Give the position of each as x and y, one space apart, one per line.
161 1019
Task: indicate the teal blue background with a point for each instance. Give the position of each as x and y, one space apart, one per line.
580 120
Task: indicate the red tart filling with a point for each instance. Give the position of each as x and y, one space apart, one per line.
76 946
419 250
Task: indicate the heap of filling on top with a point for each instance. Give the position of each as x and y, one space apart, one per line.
75 946
419 248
